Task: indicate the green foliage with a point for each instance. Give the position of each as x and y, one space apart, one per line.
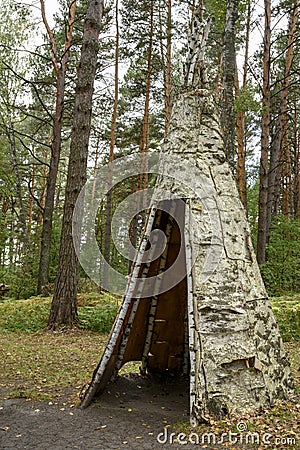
252 196
247 101
24 315
98 318
281 272
287 312
21 277
21 284
96 313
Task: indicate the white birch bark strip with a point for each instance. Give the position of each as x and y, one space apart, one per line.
190 308
186 354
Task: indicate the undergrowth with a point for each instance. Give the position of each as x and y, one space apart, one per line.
96 313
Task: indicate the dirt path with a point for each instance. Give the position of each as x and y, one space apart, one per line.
130 415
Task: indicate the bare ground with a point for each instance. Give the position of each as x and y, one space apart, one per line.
131 414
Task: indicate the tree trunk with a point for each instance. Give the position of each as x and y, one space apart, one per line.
296 145
4 209
111 154
144 145
278 149
287 178
142 182
228 63
265 137
241 176
60 72
32 186
168 69
64 303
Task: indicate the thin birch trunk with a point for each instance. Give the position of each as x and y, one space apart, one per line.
142 182
144 145
4 209
22 212
296 195
287 179
31 203
168 69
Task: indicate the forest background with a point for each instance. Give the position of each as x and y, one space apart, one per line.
139 72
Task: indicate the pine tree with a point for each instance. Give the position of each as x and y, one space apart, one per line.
64 302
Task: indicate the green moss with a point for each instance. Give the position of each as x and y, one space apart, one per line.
287 313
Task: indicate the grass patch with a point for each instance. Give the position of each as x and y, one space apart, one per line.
47 365
56 366
287 312
96 313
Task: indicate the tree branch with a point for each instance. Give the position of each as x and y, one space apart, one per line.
69 34
33 196
51 38
32 84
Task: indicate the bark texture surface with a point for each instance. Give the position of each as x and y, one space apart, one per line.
240 363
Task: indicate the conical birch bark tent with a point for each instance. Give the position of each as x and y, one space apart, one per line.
214 322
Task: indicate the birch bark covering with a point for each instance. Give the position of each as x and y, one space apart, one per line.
237 362
240 360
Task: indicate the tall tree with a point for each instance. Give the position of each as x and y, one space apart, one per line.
112 147
144 145
241 176
228 68
15 28
166 57
60 65
265 139
279 158
64 302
